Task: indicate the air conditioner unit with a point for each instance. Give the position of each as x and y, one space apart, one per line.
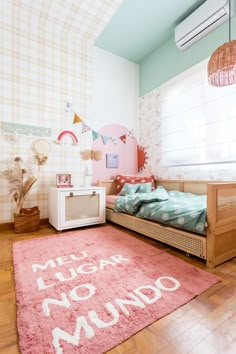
207 17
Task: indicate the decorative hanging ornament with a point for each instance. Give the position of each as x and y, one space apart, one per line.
77 119
42 148
95 135
105 139
91 155
222 64
142 158
85 128
123 138
114 140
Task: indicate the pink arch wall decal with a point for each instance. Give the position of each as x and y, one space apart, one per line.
67 132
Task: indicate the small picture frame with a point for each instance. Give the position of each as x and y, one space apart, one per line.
112 160
63 180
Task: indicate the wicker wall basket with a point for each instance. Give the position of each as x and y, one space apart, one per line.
27 221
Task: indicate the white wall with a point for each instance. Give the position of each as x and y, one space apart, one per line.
115 91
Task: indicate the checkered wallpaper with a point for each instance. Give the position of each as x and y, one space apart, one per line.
45 60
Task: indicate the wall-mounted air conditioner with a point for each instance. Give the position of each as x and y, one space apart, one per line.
207 17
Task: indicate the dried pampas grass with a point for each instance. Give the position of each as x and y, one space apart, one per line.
20 179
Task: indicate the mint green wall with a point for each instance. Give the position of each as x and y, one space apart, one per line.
168 61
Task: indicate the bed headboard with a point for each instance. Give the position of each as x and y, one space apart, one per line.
196 187
110 186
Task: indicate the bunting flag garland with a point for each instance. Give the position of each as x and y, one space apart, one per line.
96 135
130 134
105 139
123 138
77 119
85 128
114 140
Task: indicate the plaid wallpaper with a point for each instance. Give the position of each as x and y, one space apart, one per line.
45 61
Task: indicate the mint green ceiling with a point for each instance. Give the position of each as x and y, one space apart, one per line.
140 26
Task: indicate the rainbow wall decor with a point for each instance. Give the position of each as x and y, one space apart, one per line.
71 134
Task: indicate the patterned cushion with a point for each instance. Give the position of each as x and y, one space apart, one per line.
129 188
122 179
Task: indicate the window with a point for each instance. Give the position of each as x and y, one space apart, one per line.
197 121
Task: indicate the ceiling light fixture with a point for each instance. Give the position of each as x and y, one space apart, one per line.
222 64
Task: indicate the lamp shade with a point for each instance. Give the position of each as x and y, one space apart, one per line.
222 65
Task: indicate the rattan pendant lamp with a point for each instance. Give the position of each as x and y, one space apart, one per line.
222 64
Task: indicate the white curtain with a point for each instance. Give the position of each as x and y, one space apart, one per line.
188 128
198 121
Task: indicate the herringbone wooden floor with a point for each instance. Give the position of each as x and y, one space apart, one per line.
205 325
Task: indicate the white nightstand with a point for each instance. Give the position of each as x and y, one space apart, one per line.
76 207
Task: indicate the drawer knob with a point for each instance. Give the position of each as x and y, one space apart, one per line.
71 194
94 192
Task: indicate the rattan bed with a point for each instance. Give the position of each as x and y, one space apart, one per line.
218 246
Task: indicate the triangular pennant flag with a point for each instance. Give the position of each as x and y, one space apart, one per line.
95 135
85 128
123 138
77 119
130 134
105 139
115 140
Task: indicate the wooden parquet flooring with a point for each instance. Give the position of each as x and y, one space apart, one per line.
205 325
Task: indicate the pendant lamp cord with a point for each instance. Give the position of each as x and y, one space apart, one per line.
229 20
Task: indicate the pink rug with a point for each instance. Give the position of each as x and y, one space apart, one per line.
86 291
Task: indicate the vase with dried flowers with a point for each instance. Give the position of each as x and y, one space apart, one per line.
21 178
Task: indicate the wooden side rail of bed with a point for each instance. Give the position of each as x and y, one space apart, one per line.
221 219
218 246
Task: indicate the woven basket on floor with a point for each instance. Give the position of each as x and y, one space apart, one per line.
27 222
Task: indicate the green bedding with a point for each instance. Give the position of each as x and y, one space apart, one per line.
183 210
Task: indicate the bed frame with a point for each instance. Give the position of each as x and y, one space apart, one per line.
218 246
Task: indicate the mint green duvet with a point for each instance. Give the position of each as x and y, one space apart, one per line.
183 210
